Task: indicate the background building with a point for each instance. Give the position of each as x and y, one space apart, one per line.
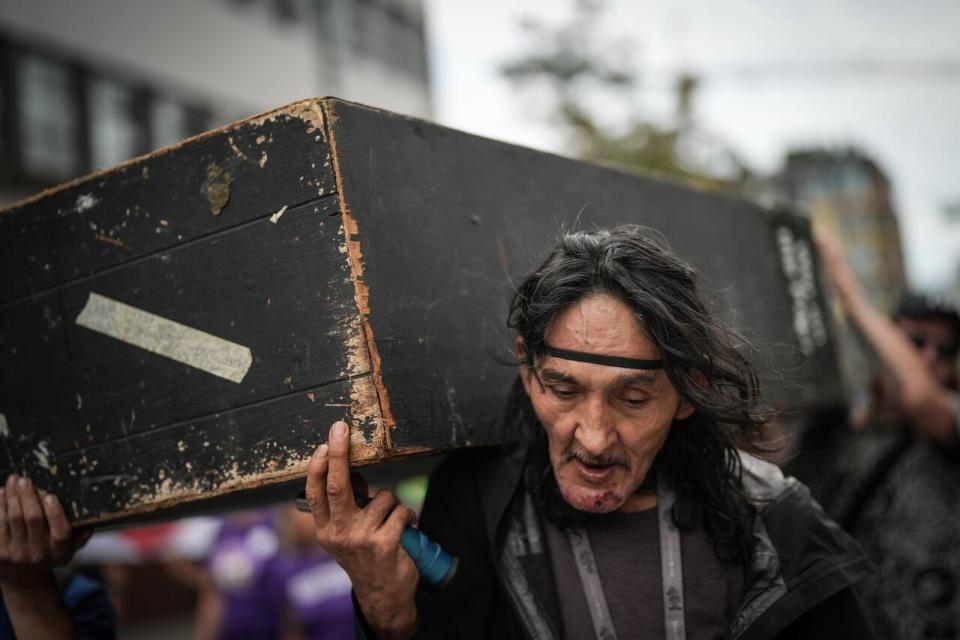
85 85
848 193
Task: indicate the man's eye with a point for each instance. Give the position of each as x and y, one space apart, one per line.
562 392
634 402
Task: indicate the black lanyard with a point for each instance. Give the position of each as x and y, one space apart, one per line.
671 572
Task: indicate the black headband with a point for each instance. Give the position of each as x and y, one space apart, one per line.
610 361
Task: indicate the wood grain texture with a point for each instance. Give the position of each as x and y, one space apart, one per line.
366 260
448 221
164 199
236 234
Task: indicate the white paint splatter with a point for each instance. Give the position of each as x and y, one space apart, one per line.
275 218
85 201
42 454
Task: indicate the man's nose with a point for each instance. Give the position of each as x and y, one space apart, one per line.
594 432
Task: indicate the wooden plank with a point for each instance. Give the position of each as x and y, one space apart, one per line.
215 181
244 448
362 271
111 392
485 214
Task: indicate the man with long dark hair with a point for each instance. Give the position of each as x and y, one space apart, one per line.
629 509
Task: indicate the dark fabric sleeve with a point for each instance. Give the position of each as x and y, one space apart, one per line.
840 616
90 608
472 605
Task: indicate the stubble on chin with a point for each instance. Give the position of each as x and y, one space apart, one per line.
593 501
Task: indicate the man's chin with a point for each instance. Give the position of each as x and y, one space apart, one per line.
593 500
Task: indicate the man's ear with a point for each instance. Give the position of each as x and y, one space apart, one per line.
684 410
521 352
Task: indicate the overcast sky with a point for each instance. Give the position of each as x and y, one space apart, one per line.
879 74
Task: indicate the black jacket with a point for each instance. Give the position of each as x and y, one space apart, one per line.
798 583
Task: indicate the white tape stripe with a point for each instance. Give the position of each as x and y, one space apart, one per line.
165 337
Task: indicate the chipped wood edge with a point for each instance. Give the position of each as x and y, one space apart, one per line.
370 397
308 110
366 400
175 496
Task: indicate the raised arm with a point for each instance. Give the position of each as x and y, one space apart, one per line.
35 536
365 542
924 401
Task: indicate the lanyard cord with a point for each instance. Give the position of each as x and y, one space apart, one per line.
671 573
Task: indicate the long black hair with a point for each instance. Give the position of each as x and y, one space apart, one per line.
701 358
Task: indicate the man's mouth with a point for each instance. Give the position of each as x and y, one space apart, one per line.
594 473
594 470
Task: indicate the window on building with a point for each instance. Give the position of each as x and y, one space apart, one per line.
386 33
198 120
284 11
60 119
47 117
114 127
169 120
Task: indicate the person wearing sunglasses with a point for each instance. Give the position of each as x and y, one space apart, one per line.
897 472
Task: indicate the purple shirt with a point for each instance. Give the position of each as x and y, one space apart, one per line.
317 593
240 567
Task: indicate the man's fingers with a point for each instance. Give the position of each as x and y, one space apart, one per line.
61 533
4 528
380 507
317 486
398 519
339 491
35 520
18 530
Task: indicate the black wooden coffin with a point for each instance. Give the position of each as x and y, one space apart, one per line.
188 324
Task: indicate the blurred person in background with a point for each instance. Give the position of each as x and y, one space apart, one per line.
896 473
267 577
41 599
316 590
237 598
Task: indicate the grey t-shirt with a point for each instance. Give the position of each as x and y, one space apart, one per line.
626 549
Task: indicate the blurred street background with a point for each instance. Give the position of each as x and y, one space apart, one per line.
844 110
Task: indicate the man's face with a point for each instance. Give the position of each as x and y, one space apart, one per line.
937 342
604 424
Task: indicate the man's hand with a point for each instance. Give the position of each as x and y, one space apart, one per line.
34 534
365 542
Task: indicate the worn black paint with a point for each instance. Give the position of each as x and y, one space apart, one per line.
446 221
118 420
